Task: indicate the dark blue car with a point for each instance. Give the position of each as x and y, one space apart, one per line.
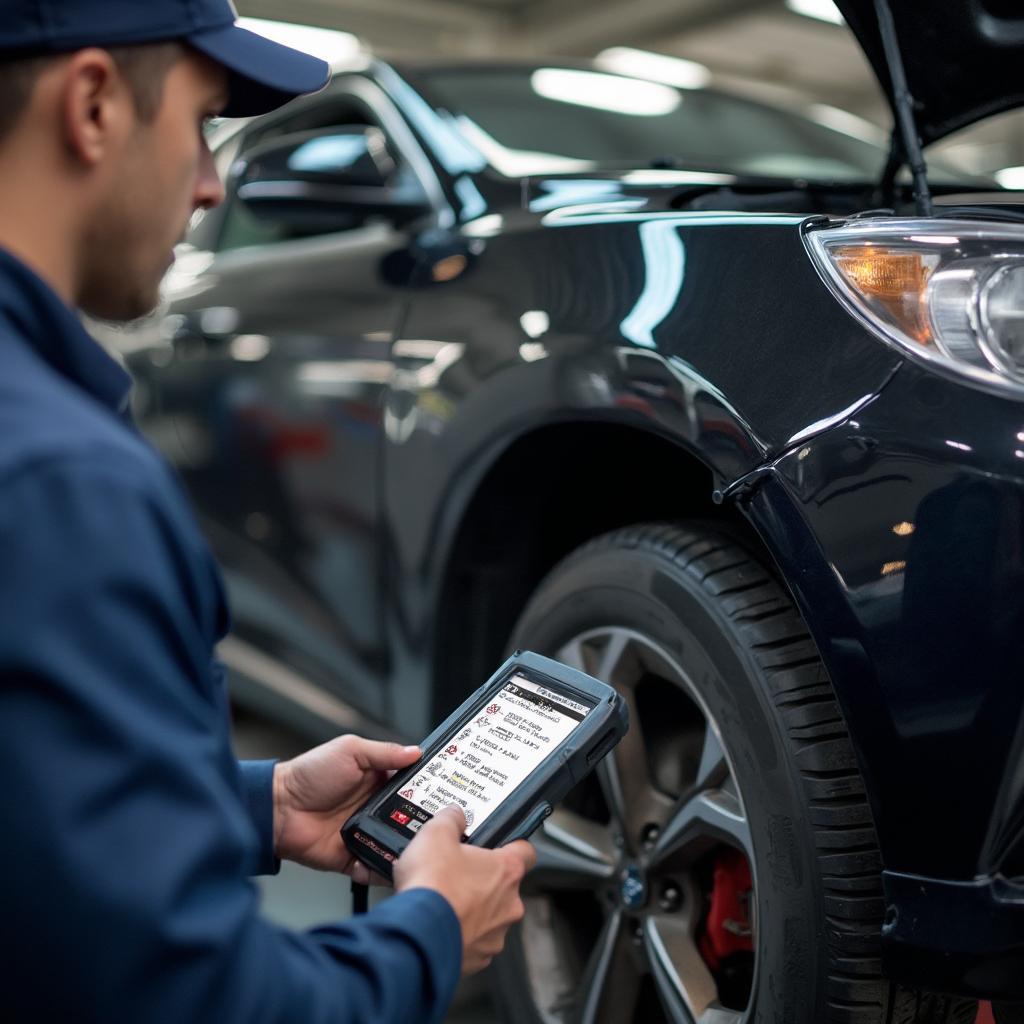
707 398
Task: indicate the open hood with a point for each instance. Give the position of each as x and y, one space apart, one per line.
964 59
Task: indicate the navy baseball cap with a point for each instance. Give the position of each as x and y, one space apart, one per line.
263 74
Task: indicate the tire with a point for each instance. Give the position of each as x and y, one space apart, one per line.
733 720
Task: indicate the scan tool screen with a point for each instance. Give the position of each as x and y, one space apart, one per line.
481 765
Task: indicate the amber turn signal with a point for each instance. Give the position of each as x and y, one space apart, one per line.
893 279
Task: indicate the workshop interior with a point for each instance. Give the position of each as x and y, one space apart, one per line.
675 341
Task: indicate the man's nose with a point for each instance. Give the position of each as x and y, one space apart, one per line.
209 188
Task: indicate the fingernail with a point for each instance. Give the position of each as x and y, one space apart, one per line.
412 749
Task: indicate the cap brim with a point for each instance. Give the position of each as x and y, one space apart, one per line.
264 74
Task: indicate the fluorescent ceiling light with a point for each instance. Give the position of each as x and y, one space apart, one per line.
846 123
605 92
333 47
668 177
686 74
1011 177
823 10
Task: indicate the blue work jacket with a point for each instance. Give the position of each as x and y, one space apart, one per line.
128 828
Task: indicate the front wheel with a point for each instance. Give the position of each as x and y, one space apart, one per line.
721 867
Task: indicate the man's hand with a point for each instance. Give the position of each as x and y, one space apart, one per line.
481 885
316 792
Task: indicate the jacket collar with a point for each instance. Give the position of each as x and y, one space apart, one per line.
49 327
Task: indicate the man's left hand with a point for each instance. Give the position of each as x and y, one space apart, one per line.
315 793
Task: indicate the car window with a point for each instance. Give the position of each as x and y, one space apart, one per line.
239 227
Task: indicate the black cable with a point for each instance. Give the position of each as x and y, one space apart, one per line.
886 194
360 898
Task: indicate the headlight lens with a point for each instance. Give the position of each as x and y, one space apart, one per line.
949 293
1002 316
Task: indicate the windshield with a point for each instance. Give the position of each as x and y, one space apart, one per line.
549 120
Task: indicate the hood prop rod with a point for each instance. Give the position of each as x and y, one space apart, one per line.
903 104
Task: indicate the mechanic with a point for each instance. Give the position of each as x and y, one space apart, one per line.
129 828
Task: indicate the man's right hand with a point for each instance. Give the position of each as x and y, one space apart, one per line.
481 885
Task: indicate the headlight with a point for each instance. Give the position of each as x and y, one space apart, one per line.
949 293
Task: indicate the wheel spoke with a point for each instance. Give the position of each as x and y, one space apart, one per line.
572 853
720 1015
713 768
624 777
610 984
685 986
612 655
700 820
579 655
575 832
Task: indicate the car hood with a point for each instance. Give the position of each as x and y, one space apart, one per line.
963 58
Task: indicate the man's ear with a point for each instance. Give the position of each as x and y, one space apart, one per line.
95 104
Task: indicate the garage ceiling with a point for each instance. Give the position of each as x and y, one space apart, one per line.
750 40
754 46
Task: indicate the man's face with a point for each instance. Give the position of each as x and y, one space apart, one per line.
161 174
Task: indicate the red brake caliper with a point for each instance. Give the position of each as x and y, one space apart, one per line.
727 929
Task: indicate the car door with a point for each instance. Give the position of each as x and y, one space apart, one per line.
266 390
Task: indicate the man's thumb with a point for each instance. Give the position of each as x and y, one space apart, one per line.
451 818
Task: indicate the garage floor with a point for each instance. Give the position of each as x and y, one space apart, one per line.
302 898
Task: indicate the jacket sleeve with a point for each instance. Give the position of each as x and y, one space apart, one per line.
258 790
127 840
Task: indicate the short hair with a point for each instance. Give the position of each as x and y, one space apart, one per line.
144 67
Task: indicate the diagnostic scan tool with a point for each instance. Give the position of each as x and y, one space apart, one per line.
510 753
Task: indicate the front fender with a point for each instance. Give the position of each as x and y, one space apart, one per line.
710 330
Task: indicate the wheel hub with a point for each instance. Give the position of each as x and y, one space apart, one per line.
633 888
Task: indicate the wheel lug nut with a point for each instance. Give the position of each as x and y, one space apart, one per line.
649 836
638 935
618 840
671 898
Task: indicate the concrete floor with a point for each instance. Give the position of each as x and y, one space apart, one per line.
301 898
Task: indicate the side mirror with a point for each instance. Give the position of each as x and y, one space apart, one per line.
327 180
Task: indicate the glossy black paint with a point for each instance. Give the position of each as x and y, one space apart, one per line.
393 433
